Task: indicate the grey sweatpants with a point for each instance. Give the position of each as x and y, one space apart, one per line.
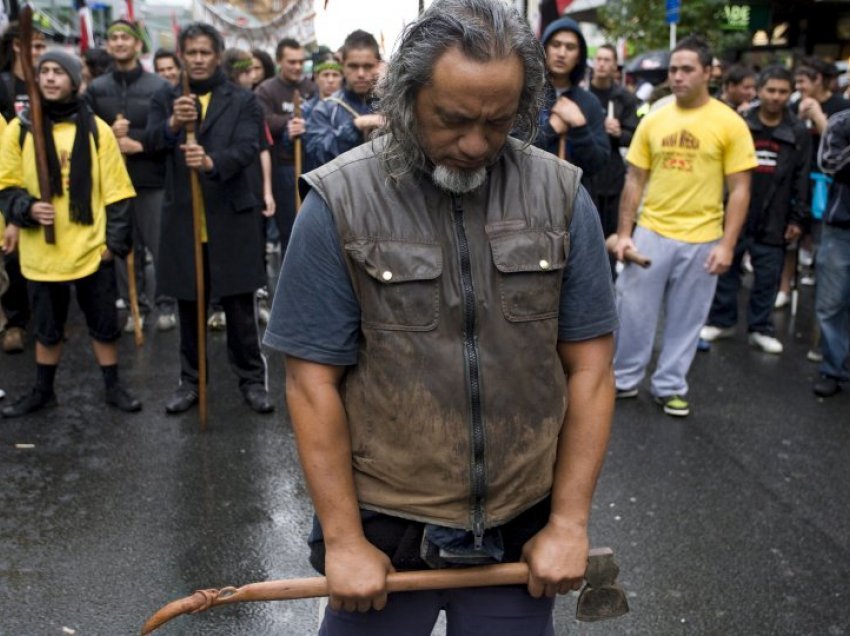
676 278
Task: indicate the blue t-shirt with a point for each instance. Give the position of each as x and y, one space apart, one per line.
315 315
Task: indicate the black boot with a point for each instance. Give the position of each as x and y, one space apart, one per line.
33 401
117 396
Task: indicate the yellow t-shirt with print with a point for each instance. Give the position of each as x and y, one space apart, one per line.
78 248
688 153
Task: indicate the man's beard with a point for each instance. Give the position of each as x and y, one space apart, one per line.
458 181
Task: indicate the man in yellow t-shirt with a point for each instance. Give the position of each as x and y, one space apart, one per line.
679 158
88 209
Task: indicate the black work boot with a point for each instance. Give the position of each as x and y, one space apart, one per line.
33 401
117 396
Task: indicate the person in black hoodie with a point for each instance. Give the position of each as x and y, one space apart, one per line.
569 111
777 213
122 98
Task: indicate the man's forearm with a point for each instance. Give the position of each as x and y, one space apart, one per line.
584 437
324 447
629 201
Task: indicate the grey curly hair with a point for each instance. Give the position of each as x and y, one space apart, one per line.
483 30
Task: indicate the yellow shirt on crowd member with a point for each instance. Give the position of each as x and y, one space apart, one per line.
78 248
688 152
2 219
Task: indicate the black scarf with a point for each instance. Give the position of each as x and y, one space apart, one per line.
80 190
204 86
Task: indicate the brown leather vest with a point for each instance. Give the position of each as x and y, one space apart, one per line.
458 396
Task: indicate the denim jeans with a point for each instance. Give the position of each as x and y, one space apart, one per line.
832 300
767 261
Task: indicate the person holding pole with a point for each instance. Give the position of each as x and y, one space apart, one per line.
231 238
433 433
680 158
277 96
90 193
121 97
572 119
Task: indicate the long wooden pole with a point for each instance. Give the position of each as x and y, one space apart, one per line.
197 212
296 103
36 121
132 288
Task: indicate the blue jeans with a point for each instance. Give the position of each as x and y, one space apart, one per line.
832 300
478 611
767 263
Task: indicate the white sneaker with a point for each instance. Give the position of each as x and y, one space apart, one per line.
782 300
120 304
813 355
166 322
766 343
130 325
2 394
710 333
808 280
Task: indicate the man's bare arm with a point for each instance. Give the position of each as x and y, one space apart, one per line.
737 206
557 555
355 569
636 179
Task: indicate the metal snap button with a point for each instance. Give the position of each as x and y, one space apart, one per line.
387 275
544 264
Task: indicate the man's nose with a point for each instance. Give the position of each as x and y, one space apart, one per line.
473 144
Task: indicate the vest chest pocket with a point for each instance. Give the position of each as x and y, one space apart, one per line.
531 266
397 283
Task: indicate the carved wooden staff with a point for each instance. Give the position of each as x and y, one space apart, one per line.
197 212
296 103
133 289
37 123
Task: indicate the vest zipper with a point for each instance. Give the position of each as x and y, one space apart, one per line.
473 374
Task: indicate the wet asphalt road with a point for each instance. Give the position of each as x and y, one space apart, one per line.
735 520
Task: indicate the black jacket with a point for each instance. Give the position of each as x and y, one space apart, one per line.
230 135
130 94
785 199
610 180
834 159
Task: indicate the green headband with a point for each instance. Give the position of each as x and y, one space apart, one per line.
123 28
329 65
242 65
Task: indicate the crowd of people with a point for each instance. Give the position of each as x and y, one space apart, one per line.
446 276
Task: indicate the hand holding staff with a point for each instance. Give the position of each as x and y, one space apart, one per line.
631 255
45 193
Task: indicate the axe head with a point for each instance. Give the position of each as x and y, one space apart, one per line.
601 597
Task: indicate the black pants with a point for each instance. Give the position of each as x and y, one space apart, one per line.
283 185
243 337
96 296
608 206
15 302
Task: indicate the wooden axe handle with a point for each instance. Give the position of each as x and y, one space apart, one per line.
632 256
291 589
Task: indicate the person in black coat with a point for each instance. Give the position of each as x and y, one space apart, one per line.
227 145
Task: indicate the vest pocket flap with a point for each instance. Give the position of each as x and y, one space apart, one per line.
397 261
530 250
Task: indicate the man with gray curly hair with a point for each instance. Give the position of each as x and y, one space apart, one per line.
445 290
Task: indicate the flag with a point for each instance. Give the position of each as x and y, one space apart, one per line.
131 14
86 25
175 28
551 10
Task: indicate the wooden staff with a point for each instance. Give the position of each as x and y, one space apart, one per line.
296 103
133 289
562 146
45 193
197 212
